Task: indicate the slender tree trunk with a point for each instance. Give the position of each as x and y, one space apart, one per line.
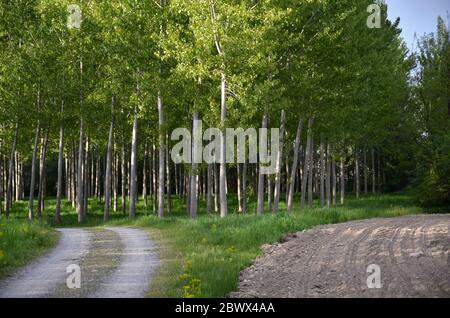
374 189
33 171
194 173
188 193
294 169
144 176
60 170
154 179
42 176
168 182
322 173
133 167
334 182
328 185
209 189
379 172
269 193
116 180
85 178
260 203
216 188
80 175
124 180
244 186
311 174
307 163
342 183
162 150
223 165
10 173
109 159
365 171
238 179
279 163
358 186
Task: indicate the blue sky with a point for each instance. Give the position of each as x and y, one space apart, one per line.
417 16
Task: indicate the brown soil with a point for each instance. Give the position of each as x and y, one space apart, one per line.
331 261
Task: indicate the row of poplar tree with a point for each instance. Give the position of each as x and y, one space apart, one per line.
101 98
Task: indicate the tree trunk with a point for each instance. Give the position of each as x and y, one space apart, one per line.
307 163
109 159
40 206
374 190
86 178
33 171
80 176
194 172
223 165
144 176
342 183
162 150
311 174
10 172
279 163
334 182
260 203
239 194
133 167
269 193
168 183
294 169
328 185
244 186
216 188
154 178
60 170
358 187
116 180
365 171
209 188
124 180
322 173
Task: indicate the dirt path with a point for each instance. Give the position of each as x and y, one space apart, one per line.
114 262
138 262
413 255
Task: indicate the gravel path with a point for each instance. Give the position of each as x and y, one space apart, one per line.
137 264
114 262
413 255
42 278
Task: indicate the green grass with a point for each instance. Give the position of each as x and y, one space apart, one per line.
21 241
203 257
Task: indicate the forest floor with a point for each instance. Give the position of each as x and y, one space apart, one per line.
412 253
114 263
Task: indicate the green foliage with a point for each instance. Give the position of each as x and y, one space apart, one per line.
432 97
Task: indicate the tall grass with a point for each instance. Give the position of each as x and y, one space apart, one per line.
21 241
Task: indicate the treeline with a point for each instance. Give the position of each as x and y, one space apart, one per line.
97 101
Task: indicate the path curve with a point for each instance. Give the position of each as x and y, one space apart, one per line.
114 263
413 254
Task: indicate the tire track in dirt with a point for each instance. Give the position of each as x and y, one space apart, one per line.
412 252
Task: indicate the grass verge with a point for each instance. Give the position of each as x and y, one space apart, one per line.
21 241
